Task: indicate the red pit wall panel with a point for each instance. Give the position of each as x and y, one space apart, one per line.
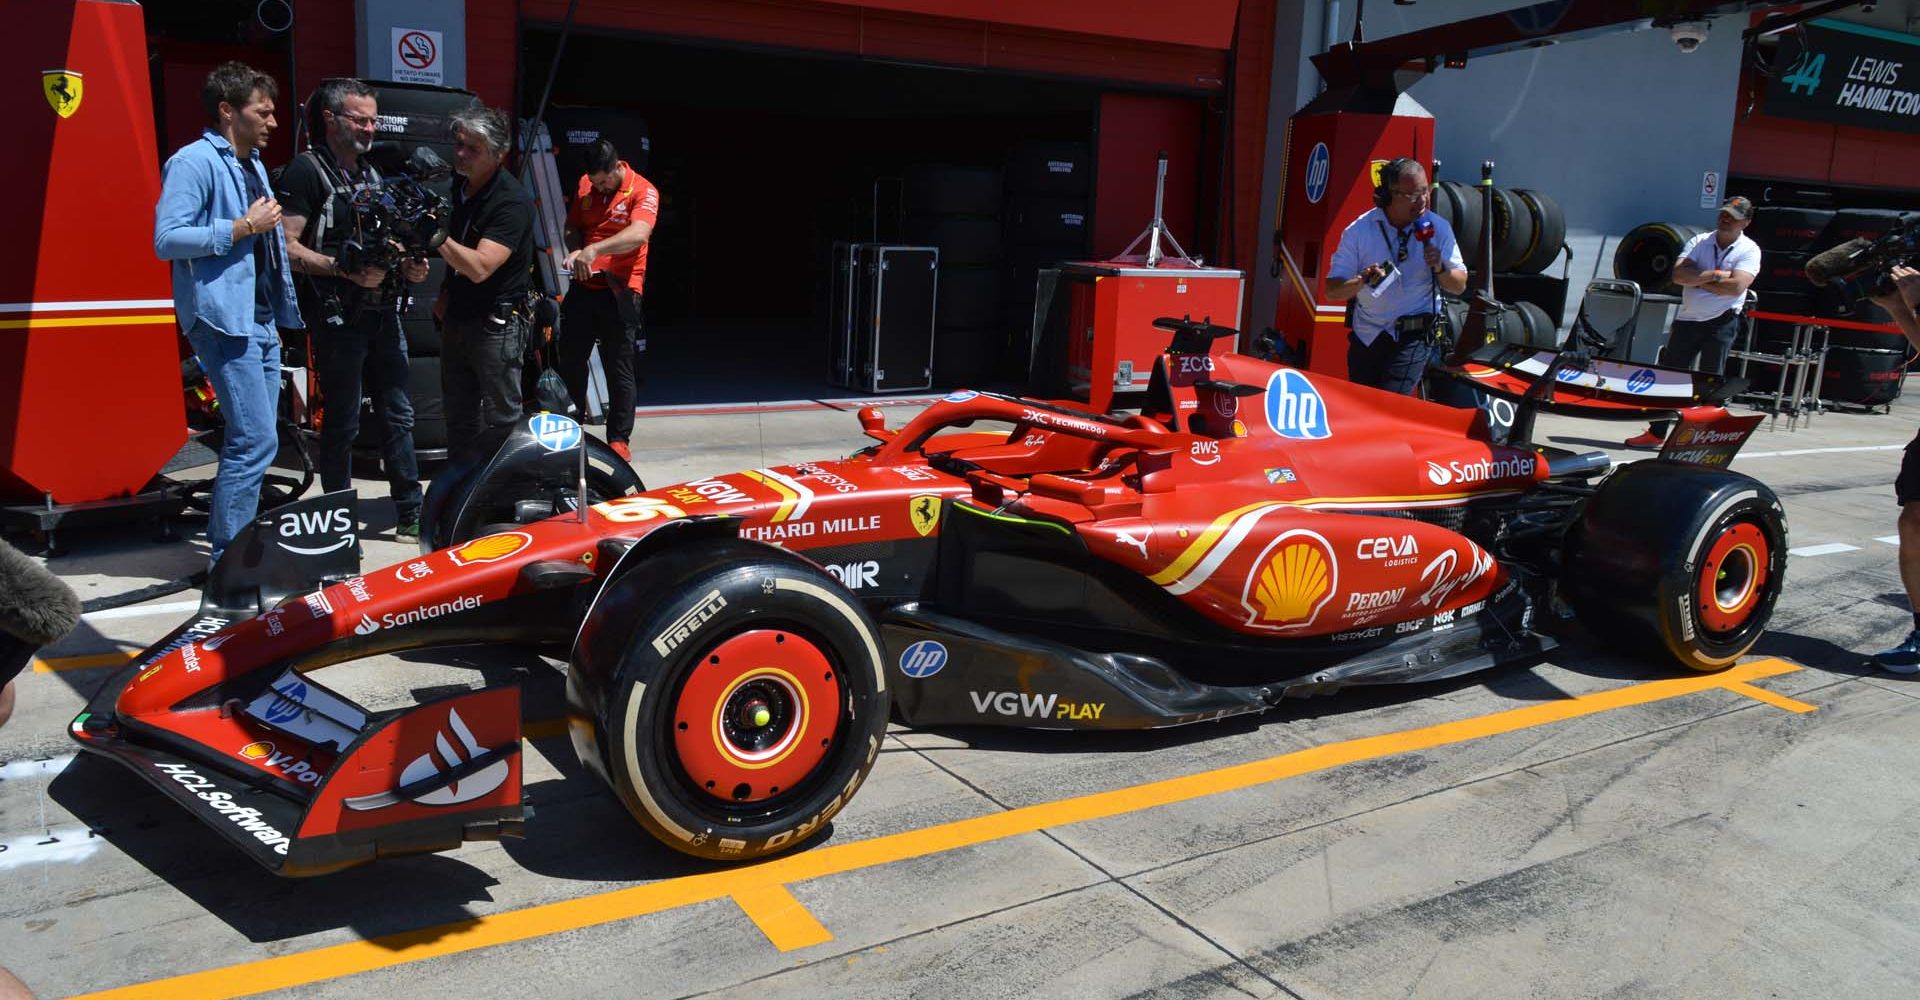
90 399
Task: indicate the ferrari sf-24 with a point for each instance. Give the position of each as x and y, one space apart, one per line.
735 645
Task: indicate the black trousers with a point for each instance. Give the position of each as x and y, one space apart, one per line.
1699 344
480 361
366 351
609 317
1387 363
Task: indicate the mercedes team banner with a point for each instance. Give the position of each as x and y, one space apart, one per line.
1849 74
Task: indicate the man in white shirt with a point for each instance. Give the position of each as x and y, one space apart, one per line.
1394 300
1713 274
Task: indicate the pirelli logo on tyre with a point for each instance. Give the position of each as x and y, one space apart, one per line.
686 625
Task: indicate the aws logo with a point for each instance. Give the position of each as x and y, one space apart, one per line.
1292 580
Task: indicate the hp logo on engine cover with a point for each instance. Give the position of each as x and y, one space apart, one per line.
1294 407
1318 167
923 659
554 432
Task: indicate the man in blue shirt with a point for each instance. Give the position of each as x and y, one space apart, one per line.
218 224
1395 293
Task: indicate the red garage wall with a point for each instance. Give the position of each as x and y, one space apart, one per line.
1134 129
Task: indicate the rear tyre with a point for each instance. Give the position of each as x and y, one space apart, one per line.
744 705
1678 558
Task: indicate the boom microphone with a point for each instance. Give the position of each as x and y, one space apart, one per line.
35 606
1847 259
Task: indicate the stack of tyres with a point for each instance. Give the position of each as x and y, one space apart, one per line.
958 209
1049 220
1647 254
1529 233
1863 376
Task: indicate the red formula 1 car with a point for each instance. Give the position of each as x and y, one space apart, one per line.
735 643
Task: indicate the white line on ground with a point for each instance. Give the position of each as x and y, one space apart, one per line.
143 610
1818 451
16 770
1889 539
62 843
1823 550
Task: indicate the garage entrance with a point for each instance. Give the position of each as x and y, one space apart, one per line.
766 158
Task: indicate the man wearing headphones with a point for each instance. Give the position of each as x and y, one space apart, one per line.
1395 302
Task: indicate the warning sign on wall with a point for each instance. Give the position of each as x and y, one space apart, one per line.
1710 189
416 56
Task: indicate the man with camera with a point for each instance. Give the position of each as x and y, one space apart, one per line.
353 304
612 217
483 302
1395 303
1713 273
1900 297
219 226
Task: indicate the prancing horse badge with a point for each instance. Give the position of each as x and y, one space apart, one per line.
62 87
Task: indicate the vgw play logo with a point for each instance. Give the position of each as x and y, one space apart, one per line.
1294 407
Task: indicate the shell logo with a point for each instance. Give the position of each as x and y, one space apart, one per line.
490 548
1293 582
257 750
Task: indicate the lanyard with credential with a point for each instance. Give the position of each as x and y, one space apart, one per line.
1433 286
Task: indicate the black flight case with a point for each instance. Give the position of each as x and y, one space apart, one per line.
880 336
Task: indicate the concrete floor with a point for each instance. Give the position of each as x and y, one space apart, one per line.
1672 837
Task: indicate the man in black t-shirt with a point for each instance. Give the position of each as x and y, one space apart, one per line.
353 316
483 302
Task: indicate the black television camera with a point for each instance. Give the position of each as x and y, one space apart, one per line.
402 216
1859 268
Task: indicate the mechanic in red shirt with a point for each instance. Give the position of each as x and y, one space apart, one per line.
612 217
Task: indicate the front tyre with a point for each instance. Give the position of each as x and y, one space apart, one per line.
1682 559
746 704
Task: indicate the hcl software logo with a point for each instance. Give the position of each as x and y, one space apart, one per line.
1294 407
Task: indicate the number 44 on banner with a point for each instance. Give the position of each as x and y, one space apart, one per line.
1710 189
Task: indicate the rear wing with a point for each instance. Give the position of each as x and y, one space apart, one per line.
1581 385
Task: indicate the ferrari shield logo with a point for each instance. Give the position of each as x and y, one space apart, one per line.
924 511
62 87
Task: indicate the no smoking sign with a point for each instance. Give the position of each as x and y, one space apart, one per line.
416 56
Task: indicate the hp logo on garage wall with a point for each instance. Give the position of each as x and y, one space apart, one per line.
923 659
1319 165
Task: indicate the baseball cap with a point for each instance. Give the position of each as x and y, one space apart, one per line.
1738 207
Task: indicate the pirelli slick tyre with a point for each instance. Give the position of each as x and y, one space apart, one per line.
1678 558
737 697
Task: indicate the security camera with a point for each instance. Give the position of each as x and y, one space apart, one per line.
1689 34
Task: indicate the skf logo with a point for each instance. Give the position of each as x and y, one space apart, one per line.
1293 582
1294 407
63 90
490 548
924 512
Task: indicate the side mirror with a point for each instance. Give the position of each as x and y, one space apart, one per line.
874 423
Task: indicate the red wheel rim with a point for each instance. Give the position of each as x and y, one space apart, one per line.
1733 577
756 716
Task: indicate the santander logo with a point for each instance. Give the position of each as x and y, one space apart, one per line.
1439 474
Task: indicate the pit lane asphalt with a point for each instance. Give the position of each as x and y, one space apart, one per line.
1592 826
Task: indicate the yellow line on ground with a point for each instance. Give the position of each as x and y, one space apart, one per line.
59 663
320 964
1772 698
781 917
39 324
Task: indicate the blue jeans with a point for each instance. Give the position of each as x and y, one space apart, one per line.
370 345
1699 344
245 372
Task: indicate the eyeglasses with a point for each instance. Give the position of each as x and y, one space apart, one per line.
361 121
1417 195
